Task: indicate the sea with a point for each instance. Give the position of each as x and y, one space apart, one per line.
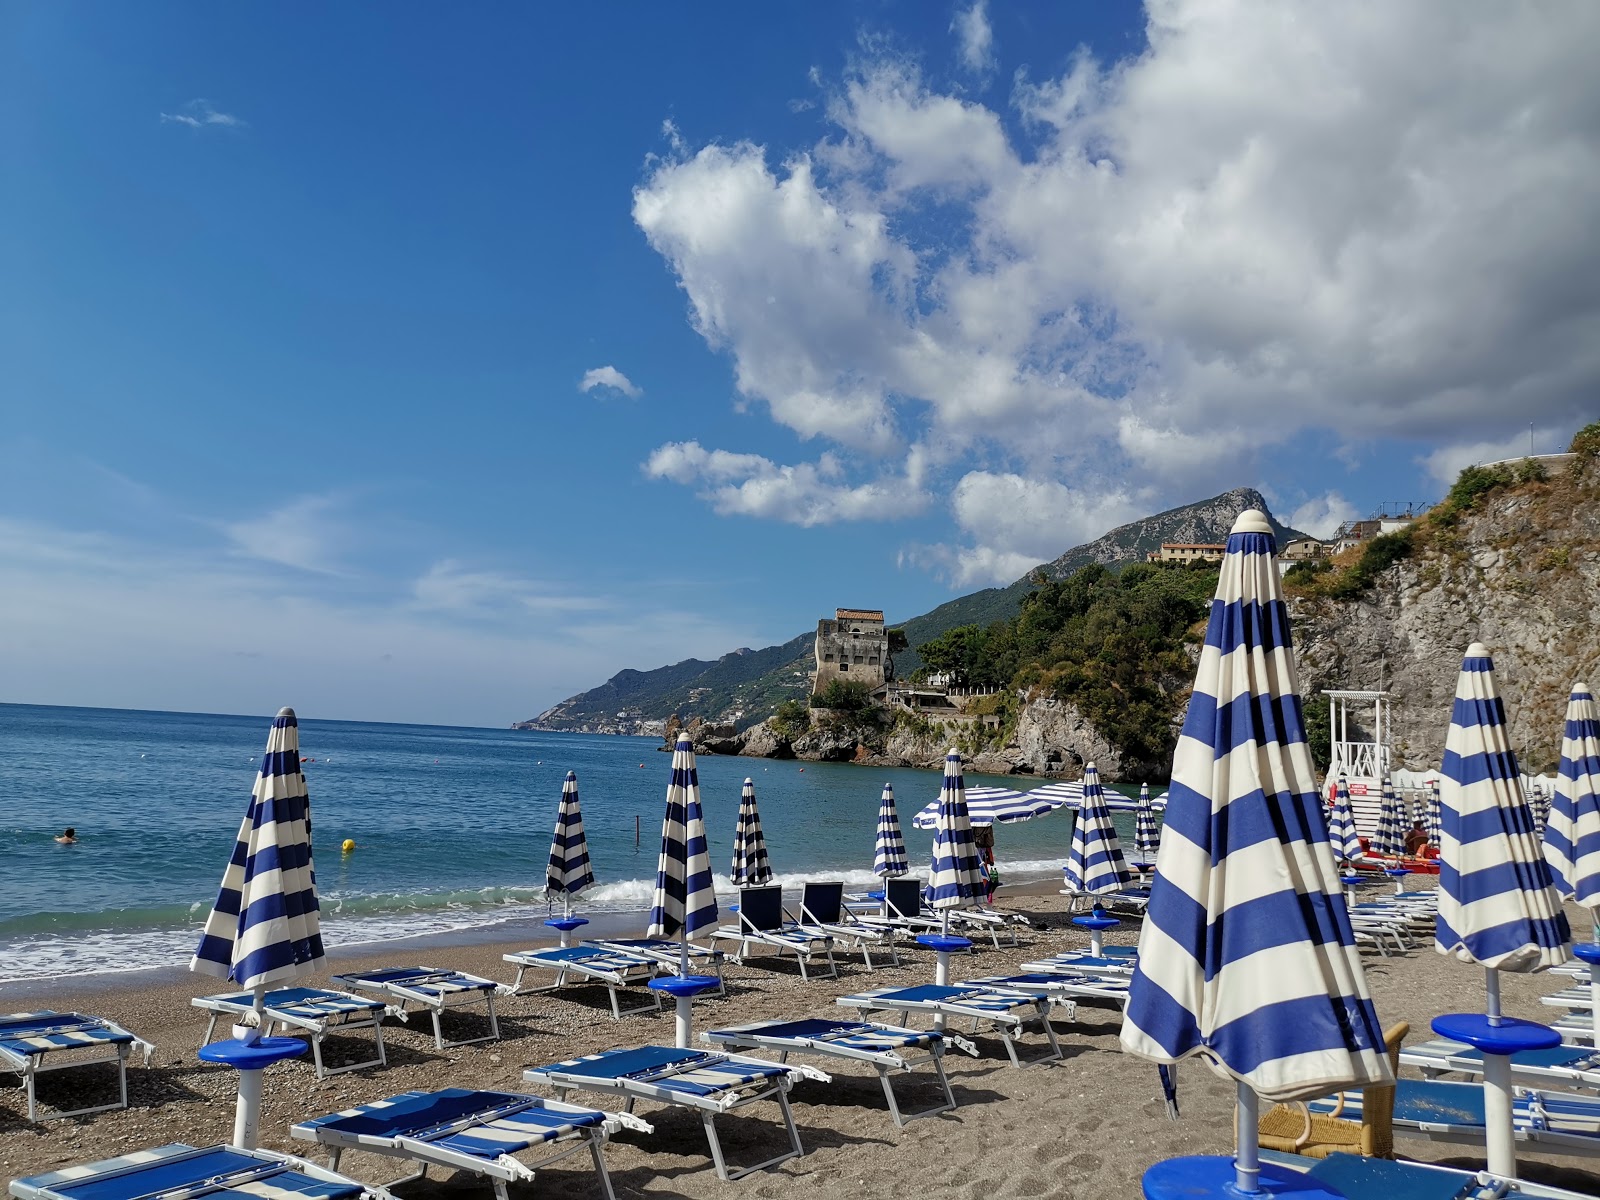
452 827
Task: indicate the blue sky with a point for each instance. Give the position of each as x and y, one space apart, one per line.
411 364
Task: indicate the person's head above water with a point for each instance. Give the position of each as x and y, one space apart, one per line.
71 835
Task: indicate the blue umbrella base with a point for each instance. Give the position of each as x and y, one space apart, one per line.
252 1056
1212 1175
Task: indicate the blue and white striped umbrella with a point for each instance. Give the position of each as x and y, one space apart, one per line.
1341 825
954 873
265 927
750 866
889 859
1146 833
1572 834
568 872
1096 864
1247 958
1390 839
992 805
1435 817
684 902
1497 906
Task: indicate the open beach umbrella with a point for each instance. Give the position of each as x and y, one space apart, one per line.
994 805
683 902
1391 835
568 872
1341 825
954 874
1096 864
265 926
750 866
1247 959
1146 833
1572 833
889 855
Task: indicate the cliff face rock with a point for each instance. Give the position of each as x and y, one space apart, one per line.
1520 573
1054 738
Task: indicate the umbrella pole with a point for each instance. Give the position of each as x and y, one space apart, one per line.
1247 1153
258 1004
1500 1151
1491 985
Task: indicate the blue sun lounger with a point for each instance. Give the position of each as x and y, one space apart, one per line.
316 1012
1058 987
710 1083
474 1131
614 968
1110 963
669 954
1132 899
902 909
1561 1066
28 1039
225 1172
432 989
763 922
1005 1010
822 910
1355 1176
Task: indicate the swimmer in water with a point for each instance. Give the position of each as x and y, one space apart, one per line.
68 838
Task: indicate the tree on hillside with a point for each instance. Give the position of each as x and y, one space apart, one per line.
898 642
955 654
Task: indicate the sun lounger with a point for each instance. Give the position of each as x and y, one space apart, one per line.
1007 1012
225 1172
1132 899
698 1079
28 1039
902 909
462 1130
1562 1066
883 1046
1108 963
822 909
315 1012
1059 987
702 959
762 921
1353 1175
432 989
614 968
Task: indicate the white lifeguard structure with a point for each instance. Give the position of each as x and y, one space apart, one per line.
1360 749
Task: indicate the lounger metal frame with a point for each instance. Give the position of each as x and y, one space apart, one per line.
835 920
1442 1056
271 1162
408 993
626 970
1531 1109
668 954
30 1064
777 933
1005 1024
242 1004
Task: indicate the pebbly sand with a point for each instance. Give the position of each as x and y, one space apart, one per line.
1084 1128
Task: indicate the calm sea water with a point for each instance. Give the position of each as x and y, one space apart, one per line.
453 826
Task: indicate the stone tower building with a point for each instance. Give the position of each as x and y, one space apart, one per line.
852 646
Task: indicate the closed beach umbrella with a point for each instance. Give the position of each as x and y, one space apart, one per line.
1146 833
995 806
750 866
1247 958
889 855
954 875
1435 819
1391 837
683 902
568 872
1341 825
1096 864
265 927
1572 833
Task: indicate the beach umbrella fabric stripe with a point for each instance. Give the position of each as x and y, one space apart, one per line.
996 805
1341 825
1497 905
1572 833
1435 817
1390 839
889 855
1146 834
955 876
1097 864
265 927
568 872
750 866
1247 958
684 902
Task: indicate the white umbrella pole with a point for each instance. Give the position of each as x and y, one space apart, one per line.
247 1109
1499 1138
685 1002
1247 1144
1491 986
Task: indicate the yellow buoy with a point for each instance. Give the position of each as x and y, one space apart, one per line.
348 845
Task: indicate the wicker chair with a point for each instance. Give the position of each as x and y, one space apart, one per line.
1295 1129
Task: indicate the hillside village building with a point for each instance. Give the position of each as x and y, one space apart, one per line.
1187 552
853 646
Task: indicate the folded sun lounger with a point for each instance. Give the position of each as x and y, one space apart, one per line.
669 954
883 1046
28 1039
762 921
711 1083
225 1172
432 989
614 968
462 1130
1563 1066
313 1011
1058 987
1006 1011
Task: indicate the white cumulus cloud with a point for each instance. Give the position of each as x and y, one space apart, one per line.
1322 515
199 114
609 378
974 38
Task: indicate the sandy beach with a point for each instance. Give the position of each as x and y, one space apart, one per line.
1086 1127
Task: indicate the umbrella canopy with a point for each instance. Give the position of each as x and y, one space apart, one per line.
1146 834
1072 795
889 855
265 926
683 902
568 872
1247 957
1341 825
750 866
1096 864
1572 834
954 874
1391 835
991 805
1496 903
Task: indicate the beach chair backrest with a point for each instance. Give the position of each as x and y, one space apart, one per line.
904 897
823 903
761 908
